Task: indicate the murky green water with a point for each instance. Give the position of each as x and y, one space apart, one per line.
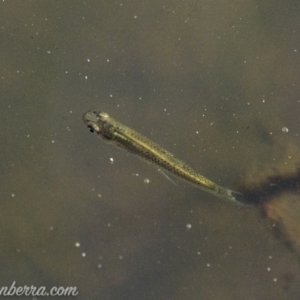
214 83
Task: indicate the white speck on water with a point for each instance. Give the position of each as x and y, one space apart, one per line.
285 129
268 269
99 266
120 257
208 265
146 180
83 254
88 60
188 226
77 244
13 195
111 160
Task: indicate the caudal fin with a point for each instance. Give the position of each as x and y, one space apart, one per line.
228 194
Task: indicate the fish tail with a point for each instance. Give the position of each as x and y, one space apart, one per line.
226 193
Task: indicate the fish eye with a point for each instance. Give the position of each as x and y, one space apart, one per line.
91 128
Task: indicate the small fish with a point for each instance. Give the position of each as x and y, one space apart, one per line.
132 141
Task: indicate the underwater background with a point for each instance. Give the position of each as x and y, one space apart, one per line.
215 83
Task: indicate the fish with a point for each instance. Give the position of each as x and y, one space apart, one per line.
128 139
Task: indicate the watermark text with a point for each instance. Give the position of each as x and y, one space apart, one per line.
31 290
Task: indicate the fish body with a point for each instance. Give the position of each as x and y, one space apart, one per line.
126 138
